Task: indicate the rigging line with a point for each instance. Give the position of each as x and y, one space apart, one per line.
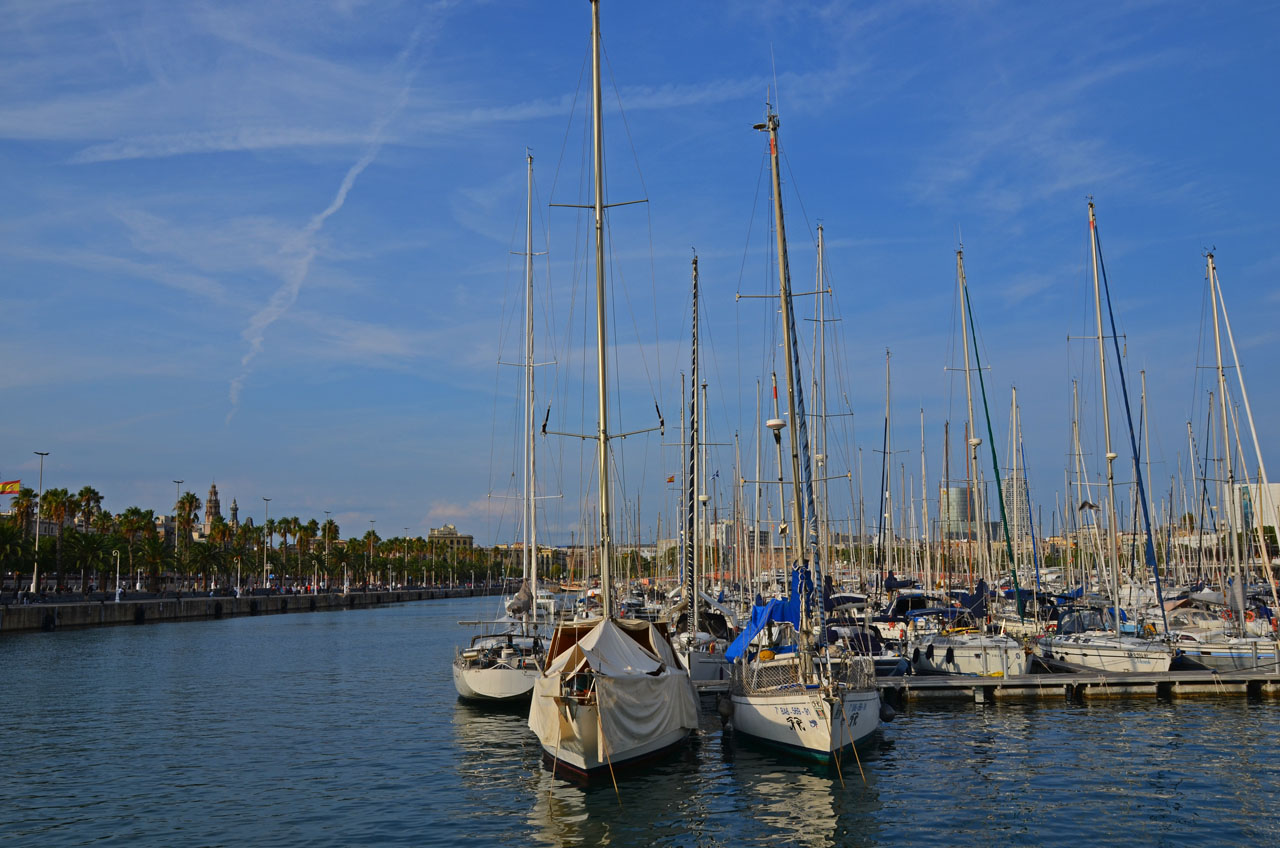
573 108
635 156
618 282
800 200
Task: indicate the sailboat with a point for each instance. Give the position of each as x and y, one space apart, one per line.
1089 636
701 650
502 661
612 691
790 687
968 648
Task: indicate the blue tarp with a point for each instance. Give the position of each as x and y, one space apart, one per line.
774 611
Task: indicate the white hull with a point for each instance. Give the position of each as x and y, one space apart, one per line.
499 683
970 654
806 722
1107 653
1234 655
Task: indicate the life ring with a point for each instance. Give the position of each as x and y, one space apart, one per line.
1249 616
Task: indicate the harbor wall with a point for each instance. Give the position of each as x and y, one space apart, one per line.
53 616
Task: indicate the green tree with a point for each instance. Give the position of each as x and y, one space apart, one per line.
23 507
90 503
58 506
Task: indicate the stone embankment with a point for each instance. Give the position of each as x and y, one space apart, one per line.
55 616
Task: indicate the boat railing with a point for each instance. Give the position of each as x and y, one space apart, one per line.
799 671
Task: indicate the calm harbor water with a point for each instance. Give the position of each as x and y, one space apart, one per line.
344 729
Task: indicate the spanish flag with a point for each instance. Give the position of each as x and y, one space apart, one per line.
10 487
670 479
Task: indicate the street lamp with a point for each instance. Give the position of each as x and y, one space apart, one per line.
369 567
266 516
116 554
237 577
35 572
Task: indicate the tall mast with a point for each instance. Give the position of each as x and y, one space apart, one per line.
1237 595
530 508
602 433
691 474
1113 531
788 340
1260 504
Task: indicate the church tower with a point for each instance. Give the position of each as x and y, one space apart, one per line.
212 509
235 515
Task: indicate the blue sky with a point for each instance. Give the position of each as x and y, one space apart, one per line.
269 244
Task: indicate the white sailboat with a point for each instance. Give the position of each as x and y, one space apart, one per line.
700 650
613 691
969 649
1087 636
790 688
501 663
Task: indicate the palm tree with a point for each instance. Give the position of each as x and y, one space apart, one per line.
23 505
59 507
306 535
14 550
184 516
154 556
220 533
90 503
294 526
103 522
134 524
89 551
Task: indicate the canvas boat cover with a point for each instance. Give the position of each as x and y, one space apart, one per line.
642 694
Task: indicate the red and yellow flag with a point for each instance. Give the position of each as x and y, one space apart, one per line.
670 479
10 487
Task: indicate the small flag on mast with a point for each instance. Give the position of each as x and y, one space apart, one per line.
671 479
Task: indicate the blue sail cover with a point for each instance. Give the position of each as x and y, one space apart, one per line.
775 611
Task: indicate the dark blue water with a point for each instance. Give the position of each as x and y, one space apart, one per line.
344 729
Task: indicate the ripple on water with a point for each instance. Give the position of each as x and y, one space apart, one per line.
343 729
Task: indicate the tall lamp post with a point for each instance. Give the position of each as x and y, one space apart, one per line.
35 572
406 555
176 536
266 516
116 555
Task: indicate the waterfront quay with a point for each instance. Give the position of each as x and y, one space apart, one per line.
48 616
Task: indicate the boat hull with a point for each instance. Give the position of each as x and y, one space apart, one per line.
499 683
804 722
1106 653
970 654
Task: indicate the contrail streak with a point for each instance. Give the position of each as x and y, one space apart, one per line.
303 248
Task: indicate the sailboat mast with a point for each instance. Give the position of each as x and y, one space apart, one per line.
530 515
1113 531
784 285
602 432
1237 599
693 547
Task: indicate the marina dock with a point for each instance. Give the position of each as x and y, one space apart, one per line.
1081 686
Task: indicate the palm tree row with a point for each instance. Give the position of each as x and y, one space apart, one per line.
93 544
